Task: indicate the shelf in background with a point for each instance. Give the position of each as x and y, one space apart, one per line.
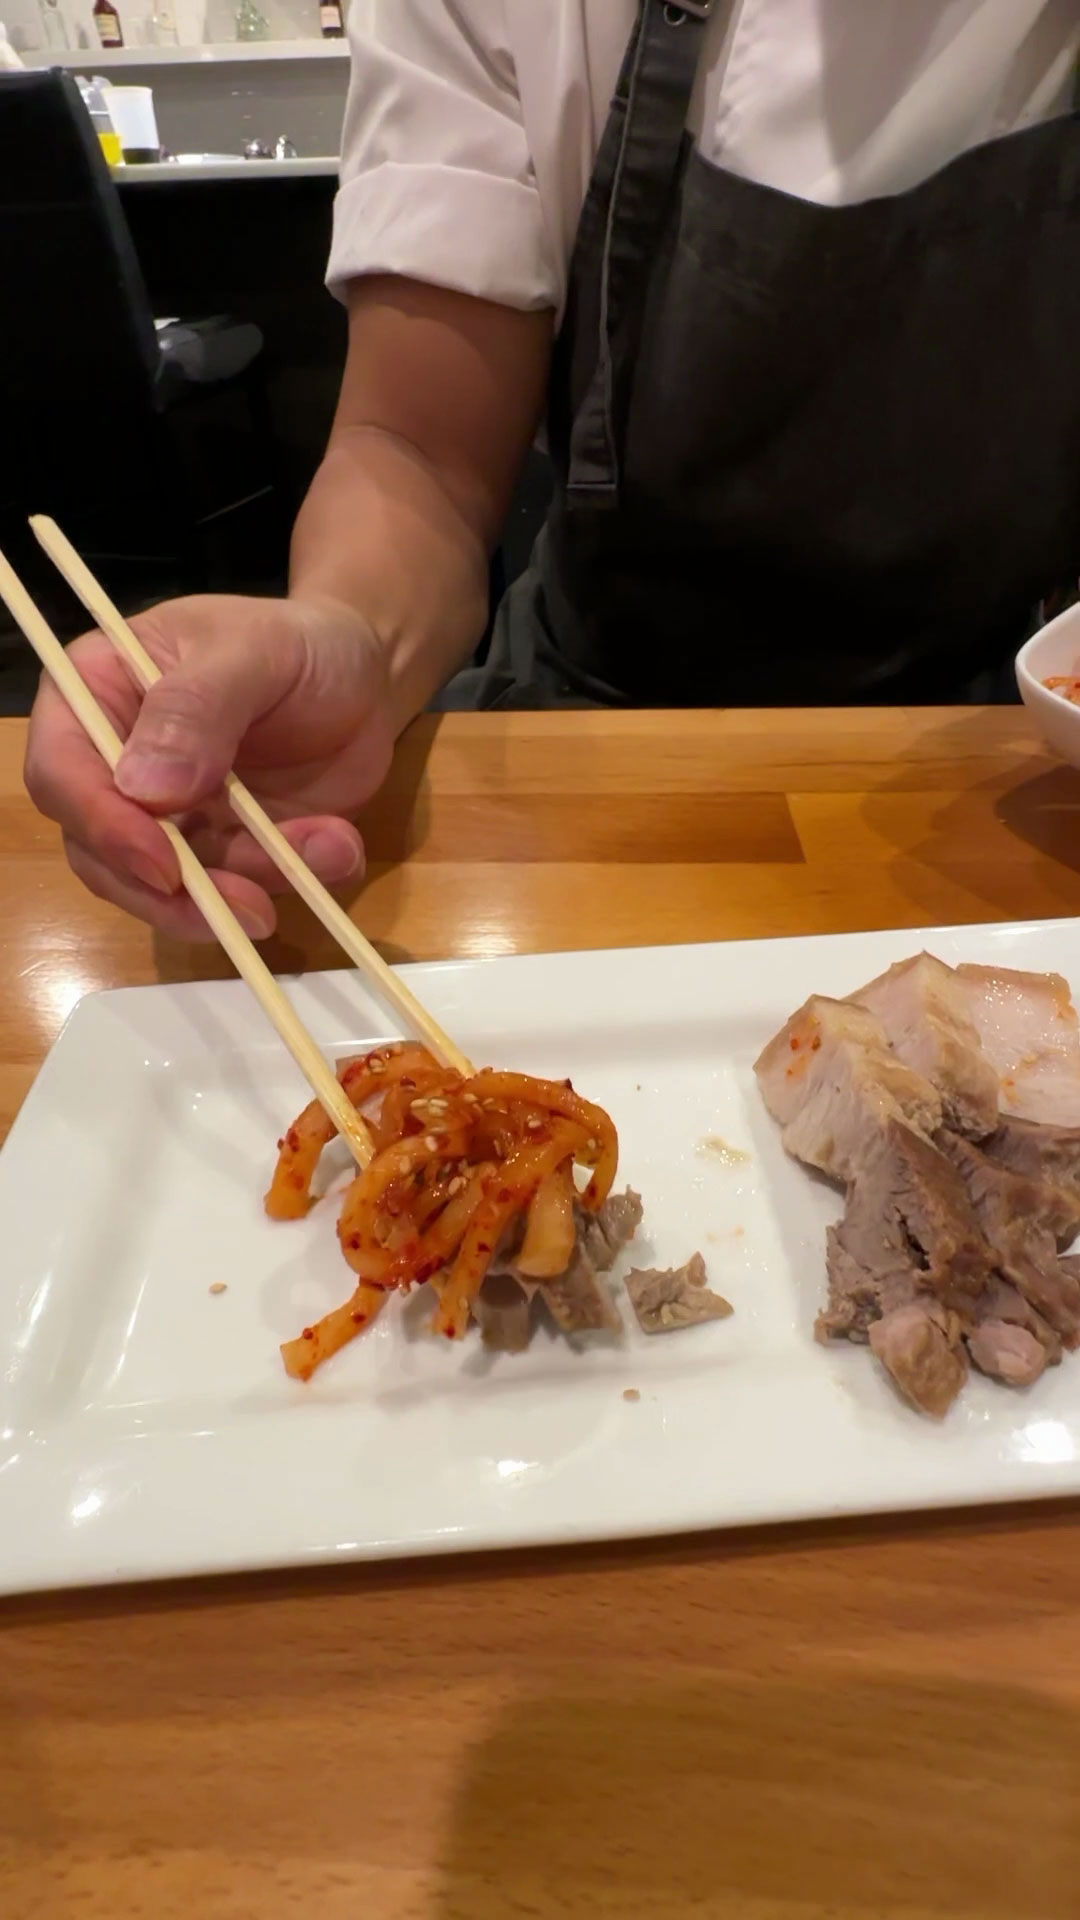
101 59
157 173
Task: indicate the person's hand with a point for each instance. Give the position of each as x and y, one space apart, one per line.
290 694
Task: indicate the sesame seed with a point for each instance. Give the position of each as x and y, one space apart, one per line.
217 1286
431 1143
456 1183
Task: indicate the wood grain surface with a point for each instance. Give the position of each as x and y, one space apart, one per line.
870 1722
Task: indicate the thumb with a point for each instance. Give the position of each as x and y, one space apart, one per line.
193 719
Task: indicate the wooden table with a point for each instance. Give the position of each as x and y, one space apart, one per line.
877 1721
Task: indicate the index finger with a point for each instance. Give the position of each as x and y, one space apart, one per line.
69 782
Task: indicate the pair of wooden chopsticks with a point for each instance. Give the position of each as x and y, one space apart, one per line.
215 910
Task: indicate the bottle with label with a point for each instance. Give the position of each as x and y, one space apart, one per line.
331 20
107 22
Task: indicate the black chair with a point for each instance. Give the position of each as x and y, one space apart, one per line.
143 442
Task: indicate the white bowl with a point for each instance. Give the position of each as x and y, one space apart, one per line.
1054 649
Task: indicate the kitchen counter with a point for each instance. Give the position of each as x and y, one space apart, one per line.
172 172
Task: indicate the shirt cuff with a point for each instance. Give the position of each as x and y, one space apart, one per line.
472 232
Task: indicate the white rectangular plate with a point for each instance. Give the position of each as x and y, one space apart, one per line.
147 1428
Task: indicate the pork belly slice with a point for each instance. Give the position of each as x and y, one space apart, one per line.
1048 1154
665 1299
833 1082
1030 1034
908 1235
924 1012
920 1347
1019 1219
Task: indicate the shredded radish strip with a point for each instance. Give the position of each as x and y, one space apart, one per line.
461 1166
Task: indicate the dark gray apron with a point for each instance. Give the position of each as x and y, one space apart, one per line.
804 454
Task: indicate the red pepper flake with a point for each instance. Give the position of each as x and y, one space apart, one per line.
280 1144
796 1043
353 1241
406 1082
483 1247
815 1044
308 1333
449 1332
292 1140
359 1319
295 1179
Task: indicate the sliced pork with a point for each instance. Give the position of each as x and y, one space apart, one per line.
605 1234
833 1082
1030 1034
503 1312
1019 1217
924 1012
676 1297
579 1301
1048 1154
948 1103
909 1233
1004 1303
920 1346
1007 1353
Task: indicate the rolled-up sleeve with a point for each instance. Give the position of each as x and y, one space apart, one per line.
436 177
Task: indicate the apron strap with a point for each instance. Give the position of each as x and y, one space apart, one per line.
652 99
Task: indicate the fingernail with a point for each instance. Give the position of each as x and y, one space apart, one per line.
258 925
143 775
147 870
331 855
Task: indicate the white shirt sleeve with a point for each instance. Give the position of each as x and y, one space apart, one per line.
437 181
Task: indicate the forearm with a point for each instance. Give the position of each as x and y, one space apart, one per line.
440 398
380 534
